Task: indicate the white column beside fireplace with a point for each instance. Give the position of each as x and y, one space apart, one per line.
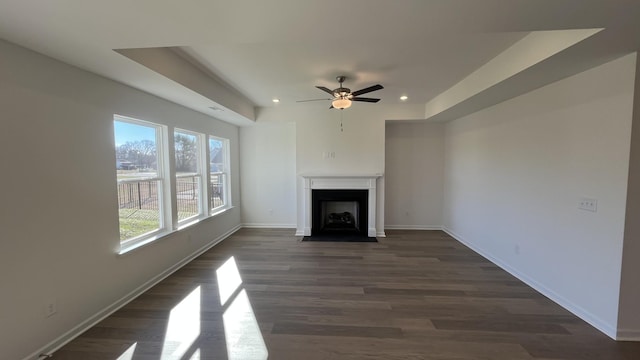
339 182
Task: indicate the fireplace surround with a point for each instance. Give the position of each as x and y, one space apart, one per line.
339 182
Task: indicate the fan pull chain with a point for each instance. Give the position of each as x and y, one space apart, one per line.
341 128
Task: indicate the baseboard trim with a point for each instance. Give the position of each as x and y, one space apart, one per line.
578 311
413 227
268 226
104 313
628 335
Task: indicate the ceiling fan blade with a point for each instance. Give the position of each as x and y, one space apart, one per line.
371 100
331 107
327 90
313 100
367 90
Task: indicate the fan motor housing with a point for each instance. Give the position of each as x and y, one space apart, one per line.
341 92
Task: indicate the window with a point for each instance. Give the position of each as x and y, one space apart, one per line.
188 174
139 175
156 195
218 173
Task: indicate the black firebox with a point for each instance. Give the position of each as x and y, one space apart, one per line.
339 212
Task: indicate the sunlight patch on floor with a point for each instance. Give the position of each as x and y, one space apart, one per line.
128 354
183 328
241 330
228 280
244 339
196 355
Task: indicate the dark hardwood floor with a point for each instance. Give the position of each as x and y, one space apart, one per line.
413 295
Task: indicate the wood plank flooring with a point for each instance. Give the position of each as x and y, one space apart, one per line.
412 295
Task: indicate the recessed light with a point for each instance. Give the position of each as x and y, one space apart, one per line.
404 97
215 108
275 101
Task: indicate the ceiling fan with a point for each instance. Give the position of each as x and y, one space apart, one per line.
342 96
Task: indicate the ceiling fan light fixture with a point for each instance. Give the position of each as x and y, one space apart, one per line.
341 103
343 97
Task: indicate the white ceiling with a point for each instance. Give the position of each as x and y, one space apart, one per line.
283 48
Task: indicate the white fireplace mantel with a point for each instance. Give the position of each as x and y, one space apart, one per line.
339 182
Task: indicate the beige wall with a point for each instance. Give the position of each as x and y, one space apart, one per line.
59 218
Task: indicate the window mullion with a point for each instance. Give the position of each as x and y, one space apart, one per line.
226 176
204 177
171 212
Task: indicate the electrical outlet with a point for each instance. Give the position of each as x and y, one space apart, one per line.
588 204
50 308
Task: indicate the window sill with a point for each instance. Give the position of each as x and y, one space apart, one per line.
220 211
125 249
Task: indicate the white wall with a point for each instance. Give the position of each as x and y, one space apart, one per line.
59 220
514 174
414 175
268 167
359 148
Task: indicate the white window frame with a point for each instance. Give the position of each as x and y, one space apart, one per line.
225 173
164 203
200 174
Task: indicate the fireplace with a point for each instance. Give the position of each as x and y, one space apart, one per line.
339 212
361 207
